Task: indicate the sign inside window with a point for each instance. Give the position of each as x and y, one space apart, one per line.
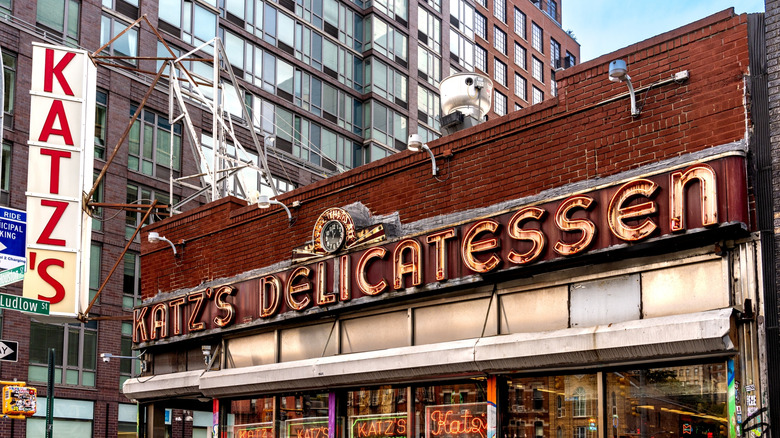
466 420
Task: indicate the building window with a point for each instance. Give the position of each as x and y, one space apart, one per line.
428 66
555 54
537 37
5 174
499 72
127 367
500 105
192 21
72 418
499 9
61 17
482 3
131 283
480 58
520 56
499 40
480 26
385 126
428 108
553 84
520 23
385 39
100 124
126 45
569 61
580 432
537 69
5 6
9 80
463 13
560 407
380 79
394 9
95 254
151 151
538 95
462 49
128 8
580 402
552 9
429 29
142 195
521 87
75 352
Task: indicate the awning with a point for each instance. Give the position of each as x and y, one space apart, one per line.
646 340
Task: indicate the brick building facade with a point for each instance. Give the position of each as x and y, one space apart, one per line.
572 271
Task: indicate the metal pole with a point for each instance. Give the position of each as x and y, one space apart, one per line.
50 396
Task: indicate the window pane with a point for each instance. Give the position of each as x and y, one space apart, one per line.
47 336
170 11
51 13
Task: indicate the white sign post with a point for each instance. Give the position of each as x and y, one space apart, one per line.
61 146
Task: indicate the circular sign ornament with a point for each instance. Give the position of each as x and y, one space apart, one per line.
332 236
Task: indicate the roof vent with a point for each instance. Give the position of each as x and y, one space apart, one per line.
465 100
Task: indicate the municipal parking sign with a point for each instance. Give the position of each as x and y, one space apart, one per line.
13 229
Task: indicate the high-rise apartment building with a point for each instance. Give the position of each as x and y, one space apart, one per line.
338 84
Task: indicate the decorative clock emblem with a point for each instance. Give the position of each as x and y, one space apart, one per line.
332 237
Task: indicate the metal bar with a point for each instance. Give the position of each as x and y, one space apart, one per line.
121 256
100 49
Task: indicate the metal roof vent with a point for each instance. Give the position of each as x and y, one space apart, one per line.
465 100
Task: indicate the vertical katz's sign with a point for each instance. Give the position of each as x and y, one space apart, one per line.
62 116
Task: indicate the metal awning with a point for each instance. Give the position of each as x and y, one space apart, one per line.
646 340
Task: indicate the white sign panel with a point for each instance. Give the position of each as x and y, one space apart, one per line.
62 118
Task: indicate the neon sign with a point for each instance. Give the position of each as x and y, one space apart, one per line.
378 426
316 427
255 430
662 204
468 420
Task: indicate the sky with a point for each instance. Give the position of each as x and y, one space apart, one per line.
603 26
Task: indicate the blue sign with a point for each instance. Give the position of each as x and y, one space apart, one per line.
13 245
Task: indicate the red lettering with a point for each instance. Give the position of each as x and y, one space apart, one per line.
54 182
56 112
59 289
59 210
450 423
50 71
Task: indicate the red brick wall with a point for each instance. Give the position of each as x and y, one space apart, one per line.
573 138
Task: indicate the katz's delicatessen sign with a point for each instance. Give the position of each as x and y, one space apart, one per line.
61 143
343 264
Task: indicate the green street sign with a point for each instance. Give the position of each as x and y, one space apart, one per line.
22 304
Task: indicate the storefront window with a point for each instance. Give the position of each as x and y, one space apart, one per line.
452 410
669 402
253 417
552 406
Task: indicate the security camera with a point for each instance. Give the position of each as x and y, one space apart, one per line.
106 357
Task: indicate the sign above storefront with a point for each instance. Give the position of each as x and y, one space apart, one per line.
679 201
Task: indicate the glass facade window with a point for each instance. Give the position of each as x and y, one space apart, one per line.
385 126
62 17
537 37
384 81
428 66
499 72
75 353
428 108
569 61
480 26
9 88
124 46
394 9
553 84
499 40
520 23
193 21
463 49
141 195
520 56
154 144
429 30
463 13
499 106
101 110
480 58
537 69
385 39
127 367
521 87
482 3
131 281
5 6
537 95
499 9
